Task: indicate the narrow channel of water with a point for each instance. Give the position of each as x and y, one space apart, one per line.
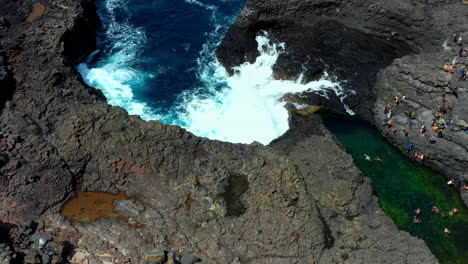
402 186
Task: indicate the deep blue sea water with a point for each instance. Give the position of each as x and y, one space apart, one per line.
156 59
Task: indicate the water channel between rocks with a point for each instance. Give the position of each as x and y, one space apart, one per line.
402 186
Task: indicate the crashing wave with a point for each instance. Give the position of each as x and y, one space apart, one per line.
241 108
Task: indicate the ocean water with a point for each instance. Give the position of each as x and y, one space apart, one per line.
156 59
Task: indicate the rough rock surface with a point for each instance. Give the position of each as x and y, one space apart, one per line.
382 49
300 200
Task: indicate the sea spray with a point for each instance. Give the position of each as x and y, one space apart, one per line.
249 107
242 108
114 74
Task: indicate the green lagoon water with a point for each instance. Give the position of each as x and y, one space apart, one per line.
402 186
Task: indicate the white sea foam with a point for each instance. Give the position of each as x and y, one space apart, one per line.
115 74
242 108
198 3
249 107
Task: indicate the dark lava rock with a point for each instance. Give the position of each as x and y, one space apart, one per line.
6 79
381 50
306 202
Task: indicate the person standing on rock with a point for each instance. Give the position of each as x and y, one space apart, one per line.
422 131
440 134
459 40
410 147
421 158
463 74
405 132
462 52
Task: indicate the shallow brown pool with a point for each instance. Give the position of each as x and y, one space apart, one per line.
37 12
90 206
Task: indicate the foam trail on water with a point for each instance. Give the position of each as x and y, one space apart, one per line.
249 107
198 3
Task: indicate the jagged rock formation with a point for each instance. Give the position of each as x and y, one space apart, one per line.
300 200
382 49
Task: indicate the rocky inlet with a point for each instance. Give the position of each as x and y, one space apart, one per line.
193 200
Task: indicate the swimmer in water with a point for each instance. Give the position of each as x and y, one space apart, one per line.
367 157
378 159
454 211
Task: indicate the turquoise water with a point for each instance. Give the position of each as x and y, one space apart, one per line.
402 186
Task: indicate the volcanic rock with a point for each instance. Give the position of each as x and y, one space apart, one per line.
306 202
376 50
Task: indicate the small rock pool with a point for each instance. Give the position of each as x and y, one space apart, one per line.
402 186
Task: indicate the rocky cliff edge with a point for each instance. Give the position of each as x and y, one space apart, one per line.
188 199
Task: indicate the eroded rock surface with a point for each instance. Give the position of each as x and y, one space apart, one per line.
305 201
382 49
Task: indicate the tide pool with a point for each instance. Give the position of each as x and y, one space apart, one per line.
402 186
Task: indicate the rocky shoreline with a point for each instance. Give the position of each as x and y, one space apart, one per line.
382 50
305 201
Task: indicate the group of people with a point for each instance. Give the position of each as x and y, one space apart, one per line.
450 67
369 158
436 211
458 39
438 122
388 123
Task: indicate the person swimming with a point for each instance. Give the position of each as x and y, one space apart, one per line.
367 157
378 159
454 211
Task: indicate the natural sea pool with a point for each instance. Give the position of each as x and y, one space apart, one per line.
402 186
